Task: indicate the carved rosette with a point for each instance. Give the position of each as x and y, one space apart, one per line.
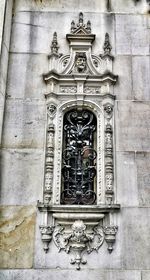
49 157
109 173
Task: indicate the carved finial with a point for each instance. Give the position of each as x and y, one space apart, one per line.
88 28
80 19
72 26
80 24
107 46
54 45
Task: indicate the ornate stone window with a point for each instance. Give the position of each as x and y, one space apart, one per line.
78 158
79 180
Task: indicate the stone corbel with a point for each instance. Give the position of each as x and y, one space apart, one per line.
110 236
46 236
78 236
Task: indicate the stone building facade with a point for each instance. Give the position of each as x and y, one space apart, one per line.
68 62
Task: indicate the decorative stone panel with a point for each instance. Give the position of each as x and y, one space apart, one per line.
84 81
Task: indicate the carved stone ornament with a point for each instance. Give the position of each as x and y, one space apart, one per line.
51 110
108 109
79 185
78 240
110 236
46 236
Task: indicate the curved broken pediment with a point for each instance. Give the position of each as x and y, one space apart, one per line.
80 64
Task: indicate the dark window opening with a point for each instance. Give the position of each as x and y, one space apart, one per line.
79 158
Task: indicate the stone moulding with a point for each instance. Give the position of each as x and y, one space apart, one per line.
79 80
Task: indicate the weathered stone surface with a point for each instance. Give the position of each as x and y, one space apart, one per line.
2 10
132 35
127 190
7 26
146 275
21 176
132 126
141 69
123 68
63 5
3 68
134 228
29 38
22 164
143 177
28 79
32 32
123 275
70 274
17 235
5 29
24 125
129 6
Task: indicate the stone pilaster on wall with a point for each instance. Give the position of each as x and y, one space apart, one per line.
127 23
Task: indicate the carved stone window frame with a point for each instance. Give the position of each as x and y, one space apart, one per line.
86 83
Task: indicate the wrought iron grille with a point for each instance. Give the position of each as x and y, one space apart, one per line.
79 167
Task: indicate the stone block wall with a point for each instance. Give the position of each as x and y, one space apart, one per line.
23 137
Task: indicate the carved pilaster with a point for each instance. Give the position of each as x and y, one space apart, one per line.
49 157
109 174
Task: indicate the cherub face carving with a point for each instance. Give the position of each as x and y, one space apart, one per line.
78 230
